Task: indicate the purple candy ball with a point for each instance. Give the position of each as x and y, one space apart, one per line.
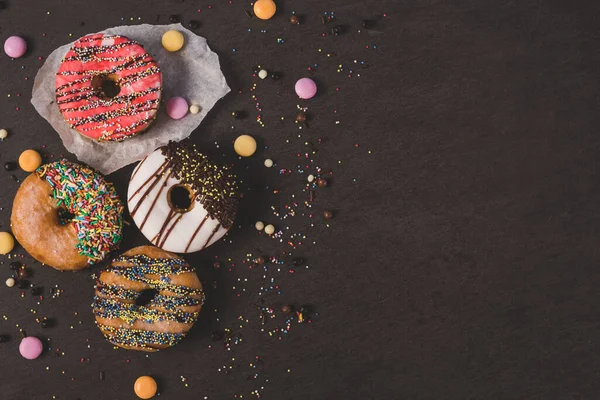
15 46
177 107
306 88
31 347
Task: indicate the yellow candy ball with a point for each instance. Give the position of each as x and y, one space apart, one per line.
245 145
30 160
264 9
7 243
172 40
145 387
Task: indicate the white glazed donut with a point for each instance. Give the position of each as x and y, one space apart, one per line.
180 200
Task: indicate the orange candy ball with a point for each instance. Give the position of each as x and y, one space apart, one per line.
145 387
264 9
30 160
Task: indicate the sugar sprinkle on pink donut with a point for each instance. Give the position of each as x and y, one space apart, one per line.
108 87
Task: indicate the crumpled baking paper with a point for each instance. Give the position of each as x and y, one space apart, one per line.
193 73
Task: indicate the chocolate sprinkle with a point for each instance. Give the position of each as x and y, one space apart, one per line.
214 185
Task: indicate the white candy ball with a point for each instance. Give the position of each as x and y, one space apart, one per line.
269 229
259 225
311 178
194 109
262 74
268 163
3 133
10 282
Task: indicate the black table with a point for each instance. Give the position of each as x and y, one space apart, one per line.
462 259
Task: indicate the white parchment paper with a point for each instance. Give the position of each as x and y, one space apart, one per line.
193 73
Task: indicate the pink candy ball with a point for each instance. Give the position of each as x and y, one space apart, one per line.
31 347
306 88
177 107
15 46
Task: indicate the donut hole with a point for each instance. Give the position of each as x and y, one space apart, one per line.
181 198
106 86
64 216
145 297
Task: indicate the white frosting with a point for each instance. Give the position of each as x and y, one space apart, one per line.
150 203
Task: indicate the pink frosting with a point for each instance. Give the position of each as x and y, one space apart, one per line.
118 58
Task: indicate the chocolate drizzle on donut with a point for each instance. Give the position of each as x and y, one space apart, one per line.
212 185
130 313
117 99
90 53
152 181
92 112
118 312
147 340
196 233
165 301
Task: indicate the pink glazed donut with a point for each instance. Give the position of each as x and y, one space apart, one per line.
108 87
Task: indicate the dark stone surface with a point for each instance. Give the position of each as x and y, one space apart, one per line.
461 264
